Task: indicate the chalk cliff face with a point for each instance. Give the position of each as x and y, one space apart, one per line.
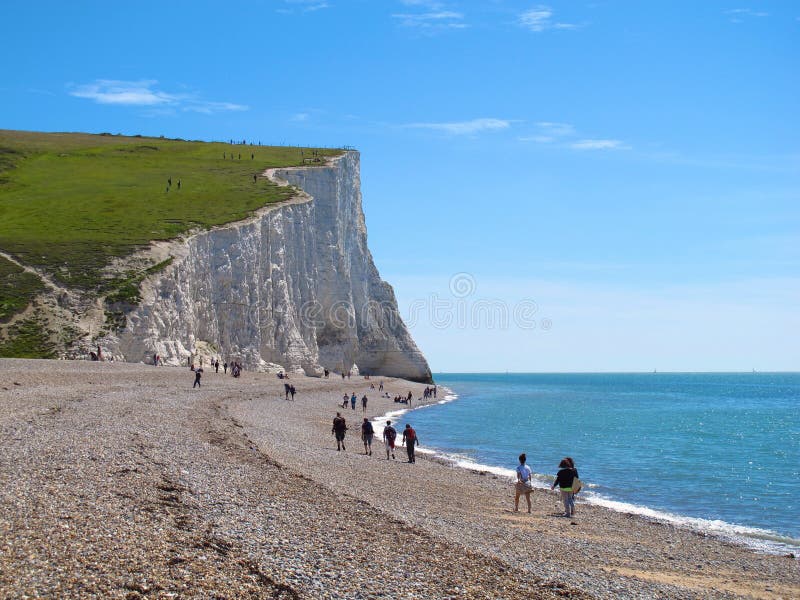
294 286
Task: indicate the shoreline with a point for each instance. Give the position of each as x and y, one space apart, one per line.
121 480
752 538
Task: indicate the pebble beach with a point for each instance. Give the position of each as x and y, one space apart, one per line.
122 481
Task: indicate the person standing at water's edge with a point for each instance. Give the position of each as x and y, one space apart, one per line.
339 428
410 440
564 479
523 485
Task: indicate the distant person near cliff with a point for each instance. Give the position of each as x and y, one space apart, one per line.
339 429
198 373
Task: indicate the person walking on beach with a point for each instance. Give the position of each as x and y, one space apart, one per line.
345 400
339 429
225 368
564 480
389 436
524 484
410 440
367 433
292 391
353 401
364 400
198 373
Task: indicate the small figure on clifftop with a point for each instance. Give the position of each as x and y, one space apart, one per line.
255 178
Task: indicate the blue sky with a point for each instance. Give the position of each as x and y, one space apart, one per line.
620 179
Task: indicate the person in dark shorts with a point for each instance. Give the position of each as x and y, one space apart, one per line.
339 429
410 440
367 433
198 373
364 400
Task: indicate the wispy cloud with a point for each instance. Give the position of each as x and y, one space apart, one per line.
737 15
465 127
300 117
303 6
434 15
540 18
565 135
144 93
549 131
598 145
443 19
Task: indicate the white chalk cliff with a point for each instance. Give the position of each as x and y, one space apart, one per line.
293 286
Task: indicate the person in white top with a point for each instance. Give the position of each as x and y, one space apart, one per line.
524 484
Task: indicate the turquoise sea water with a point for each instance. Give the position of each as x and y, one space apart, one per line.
717 452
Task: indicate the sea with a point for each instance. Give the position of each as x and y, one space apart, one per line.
715 452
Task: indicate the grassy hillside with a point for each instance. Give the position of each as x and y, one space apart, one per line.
69 203
72 203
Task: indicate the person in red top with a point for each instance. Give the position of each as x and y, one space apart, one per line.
410 440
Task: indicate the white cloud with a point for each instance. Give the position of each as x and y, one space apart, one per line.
598 145
439 19
304 6
144 93
300 117
746 12
433 15
565 135
556 129
133 93
465 127
539 18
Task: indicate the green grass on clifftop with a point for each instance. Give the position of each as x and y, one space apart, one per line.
71 203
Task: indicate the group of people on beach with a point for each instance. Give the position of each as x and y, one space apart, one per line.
409 438
566 479
235 367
